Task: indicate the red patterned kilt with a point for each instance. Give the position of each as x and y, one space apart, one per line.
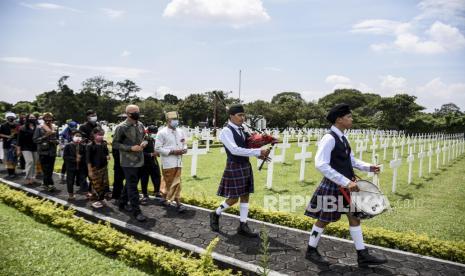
237 180
325 189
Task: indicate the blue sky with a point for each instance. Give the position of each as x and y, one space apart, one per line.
190 46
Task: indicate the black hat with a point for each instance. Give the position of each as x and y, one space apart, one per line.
152 129
337 111
236 108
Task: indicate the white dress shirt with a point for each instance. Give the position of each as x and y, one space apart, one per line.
167 140
323 158
227 138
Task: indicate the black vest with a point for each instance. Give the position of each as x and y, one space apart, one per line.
240 142
340 157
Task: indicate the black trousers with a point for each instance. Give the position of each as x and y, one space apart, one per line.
152 170
130 192
77 177
47 162
118 176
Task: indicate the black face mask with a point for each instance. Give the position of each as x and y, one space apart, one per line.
11 120
134 115
32 121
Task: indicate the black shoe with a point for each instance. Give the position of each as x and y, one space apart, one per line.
11 176
139 217
144 200
314 256
365 259
162 202
49 188
125 207
214 222
180 208
244 230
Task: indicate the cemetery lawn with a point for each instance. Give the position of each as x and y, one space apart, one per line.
431 205
32 248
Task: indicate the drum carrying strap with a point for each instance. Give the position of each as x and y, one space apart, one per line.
345 194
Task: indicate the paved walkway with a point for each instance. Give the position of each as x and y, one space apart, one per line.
287 246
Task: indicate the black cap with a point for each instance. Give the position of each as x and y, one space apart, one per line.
152 129
236 108
337 111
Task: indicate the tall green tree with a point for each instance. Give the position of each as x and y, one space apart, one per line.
397 111
127 91
98 85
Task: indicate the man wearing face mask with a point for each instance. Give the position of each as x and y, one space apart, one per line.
87 128
151 167
171 144
46 138
129 140
8 132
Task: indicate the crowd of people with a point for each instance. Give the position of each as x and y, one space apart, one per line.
32 142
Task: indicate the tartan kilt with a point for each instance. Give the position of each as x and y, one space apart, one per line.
325 189
237 180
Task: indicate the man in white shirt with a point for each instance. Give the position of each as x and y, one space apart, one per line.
335 160
171 144
237 181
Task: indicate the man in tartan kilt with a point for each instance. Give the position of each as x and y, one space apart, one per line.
237 181
335 160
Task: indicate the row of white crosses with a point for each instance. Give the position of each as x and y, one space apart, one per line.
453 148
457 147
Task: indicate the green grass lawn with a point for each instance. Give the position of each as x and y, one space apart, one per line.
432 204
28 247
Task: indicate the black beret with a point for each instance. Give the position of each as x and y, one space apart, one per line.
337 111
236 108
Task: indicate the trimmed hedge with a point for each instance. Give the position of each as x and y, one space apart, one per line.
152 259
406 241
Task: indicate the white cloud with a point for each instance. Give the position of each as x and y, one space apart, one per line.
439 38
337 79
380 26
20 60
447 36
13 94
451 10
343 82
271 68
113 13
237 13
115 71
433 31
393 83
435 89
47 6
126 53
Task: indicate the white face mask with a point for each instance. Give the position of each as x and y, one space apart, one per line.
40 121
93 119
154 136
174 123
77 139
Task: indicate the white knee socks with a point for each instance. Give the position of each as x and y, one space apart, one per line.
357 237
223 206
315 236
244 211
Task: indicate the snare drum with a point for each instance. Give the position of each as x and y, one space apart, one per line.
369 201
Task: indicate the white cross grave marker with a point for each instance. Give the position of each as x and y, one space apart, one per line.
410 159
302 156
421 155
395 164
269 173
430 155
195 152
